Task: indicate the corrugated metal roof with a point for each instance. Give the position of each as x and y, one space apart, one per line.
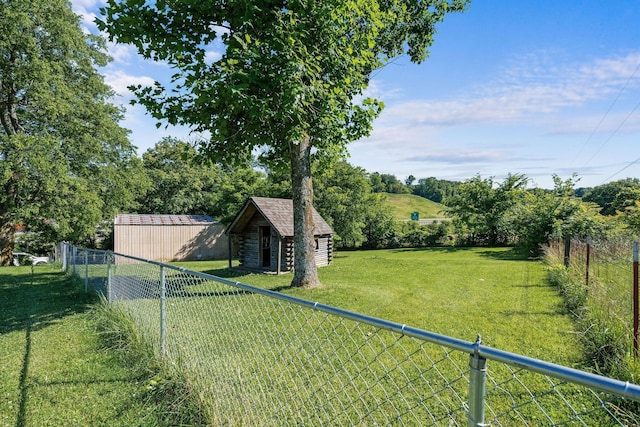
148 219
279 212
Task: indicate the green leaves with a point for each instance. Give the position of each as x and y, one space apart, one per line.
289 82
66 163
285 73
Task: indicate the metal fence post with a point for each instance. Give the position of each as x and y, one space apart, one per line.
163 312
477 387
64 256
74 260
109 276
586 274
86 270
567 251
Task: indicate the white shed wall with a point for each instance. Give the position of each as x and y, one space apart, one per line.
171 242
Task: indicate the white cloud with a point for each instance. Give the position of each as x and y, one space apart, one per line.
211 56
120 81
87 4
540 104
87 10
619 122
524 93
122 54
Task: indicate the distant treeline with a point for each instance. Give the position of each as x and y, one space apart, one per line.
430 188
612 197
482 211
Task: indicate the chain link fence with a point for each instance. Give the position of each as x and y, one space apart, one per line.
606 267
258 357
600 282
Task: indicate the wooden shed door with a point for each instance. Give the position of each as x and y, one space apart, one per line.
265 246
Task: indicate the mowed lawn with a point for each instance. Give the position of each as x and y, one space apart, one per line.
459 292
54 370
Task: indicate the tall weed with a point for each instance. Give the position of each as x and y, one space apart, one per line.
605 335
164 388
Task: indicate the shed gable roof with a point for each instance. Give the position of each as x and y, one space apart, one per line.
279 213
149 219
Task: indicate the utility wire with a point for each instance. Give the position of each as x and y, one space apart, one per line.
605 115
624 168
616 131
633 162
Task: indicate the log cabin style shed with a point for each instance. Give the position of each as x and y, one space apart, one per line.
263 233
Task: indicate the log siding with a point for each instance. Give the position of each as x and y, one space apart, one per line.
278 215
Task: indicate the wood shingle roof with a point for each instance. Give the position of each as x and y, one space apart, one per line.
279 213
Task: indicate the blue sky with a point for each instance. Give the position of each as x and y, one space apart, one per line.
536 87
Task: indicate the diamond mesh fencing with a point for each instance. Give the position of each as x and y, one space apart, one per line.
257 357
608 273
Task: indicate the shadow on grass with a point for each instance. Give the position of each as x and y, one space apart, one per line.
24 394
508 254
36 298
442 249
498 253
33 298
227 273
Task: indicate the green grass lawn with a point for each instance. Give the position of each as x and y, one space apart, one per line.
457 292
54 370
344 372
402 205
253 360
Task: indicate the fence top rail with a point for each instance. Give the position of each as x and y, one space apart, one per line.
623 389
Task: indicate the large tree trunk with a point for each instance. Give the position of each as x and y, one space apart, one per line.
7 241
305 271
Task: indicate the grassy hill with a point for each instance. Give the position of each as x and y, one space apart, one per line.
403 204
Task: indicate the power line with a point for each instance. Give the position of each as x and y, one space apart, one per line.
616 131
624 168
606 114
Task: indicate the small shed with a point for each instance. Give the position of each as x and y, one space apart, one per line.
170 237
263 233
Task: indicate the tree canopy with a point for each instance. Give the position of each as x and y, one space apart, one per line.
478 206
289 81
387 183
180 185
435 189
345 199
65 163
615 196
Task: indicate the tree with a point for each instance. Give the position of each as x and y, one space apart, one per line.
615 196
387 183
379 225
477 208
415 235
540 215
631 218
344 198
393 184
289 80
437 190
181 185
377 185
65 163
